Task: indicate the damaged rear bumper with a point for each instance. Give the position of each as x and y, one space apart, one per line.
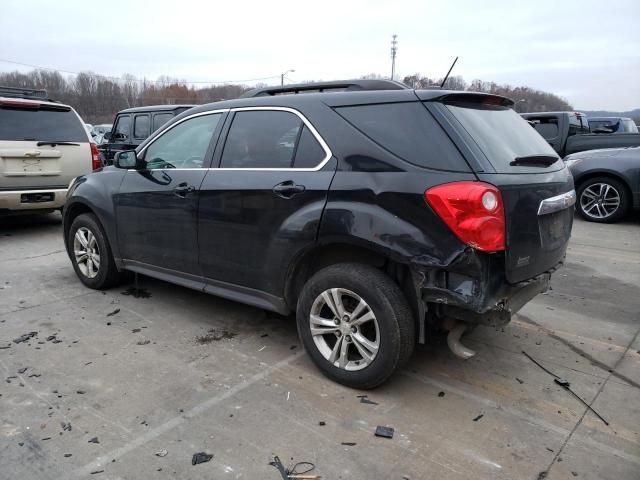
474 289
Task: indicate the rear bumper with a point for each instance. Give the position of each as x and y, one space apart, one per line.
24 200
475 290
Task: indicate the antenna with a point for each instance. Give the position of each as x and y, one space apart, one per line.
447 75
394 50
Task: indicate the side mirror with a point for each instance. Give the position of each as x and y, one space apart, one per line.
125 159
107 136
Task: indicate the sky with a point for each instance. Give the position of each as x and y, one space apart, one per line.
585 51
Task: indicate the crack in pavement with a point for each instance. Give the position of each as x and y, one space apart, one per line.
545 473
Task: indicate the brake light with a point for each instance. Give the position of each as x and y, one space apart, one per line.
96 163
19 104
473 211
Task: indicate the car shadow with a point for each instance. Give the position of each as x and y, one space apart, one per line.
23 224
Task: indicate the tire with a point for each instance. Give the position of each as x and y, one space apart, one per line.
106 274
605 189
392 326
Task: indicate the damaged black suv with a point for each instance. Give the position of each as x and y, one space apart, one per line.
375 212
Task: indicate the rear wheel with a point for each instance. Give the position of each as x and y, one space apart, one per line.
356 324
90 253
602 200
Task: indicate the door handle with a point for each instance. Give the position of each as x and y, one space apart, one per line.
288 189
183 189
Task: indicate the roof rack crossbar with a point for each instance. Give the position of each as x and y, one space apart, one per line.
27 93
337 85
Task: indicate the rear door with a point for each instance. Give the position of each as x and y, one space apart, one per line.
264 204
157 205
42 145
536 187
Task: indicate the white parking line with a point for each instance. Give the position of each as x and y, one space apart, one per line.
99 462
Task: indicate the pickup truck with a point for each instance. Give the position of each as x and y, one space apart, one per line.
569 132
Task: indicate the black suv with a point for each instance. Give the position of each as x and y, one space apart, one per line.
377 213
133 126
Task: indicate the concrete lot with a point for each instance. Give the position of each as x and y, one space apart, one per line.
156 375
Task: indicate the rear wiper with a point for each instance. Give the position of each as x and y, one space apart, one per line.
53 143
534 161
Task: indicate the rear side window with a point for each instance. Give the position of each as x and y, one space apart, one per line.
160 119
501 134
261 139
41 124
408 131
141 126
309 153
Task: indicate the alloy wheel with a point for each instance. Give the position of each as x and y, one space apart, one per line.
86 252
600 200
344 329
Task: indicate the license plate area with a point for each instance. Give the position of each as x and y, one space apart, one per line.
38 197
555 229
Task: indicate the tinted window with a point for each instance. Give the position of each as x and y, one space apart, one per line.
408 131
160 119
261 139
309 153
546 126
578 124
122 128
41 125
184 146
141 126
501 134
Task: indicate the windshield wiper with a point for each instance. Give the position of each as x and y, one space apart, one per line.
53 143
534 161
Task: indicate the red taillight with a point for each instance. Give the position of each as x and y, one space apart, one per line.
96 163
473 211
19 104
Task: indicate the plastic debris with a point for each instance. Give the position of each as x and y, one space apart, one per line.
384 432
111 314
162 453
478 417
94 440
25 337
200 457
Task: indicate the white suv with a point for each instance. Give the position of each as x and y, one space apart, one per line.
43 147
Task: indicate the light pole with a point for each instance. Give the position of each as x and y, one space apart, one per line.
282 76
394 51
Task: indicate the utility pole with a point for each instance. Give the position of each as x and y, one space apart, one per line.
394 51
282 76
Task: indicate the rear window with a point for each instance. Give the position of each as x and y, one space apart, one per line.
501 134
408 131
41 125
546 126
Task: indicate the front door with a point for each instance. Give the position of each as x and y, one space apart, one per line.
264 204
157 205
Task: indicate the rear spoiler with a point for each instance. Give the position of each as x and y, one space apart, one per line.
474 98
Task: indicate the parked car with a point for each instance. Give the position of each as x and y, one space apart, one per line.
569 132
43 146
133 125
375 212
100 130
607 182
612 125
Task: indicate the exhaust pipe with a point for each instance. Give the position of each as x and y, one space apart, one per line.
453 340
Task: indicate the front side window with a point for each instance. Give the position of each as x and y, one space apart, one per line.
141 126
122 128
262 139
184 146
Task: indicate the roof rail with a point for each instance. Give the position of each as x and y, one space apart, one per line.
333 86
27 93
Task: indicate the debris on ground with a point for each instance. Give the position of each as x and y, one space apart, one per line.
9 346
66 426
22 370
441 394
97 471
94 440
365 399
264 335
298 471
322 424
46 438
162 453
144 342
66 455
200 457
566 385
136 292
478 417
384 432
215 335
81 392
25 337
348 444
111 314
136 330
519 381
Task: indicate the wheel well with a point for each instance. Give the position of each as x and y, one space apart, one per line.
591 175
70 213
324 256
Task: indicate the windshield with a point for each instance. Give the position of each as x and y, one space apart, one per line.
501 134
41 125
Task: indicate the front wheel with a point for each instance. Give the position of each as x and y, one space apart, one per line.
602 200
90 253
355 324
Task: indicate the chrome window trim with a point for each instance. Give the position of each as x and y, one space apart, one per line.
557 203
305 121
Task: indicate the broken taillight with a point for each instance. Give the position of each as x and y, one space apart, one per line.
473 211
